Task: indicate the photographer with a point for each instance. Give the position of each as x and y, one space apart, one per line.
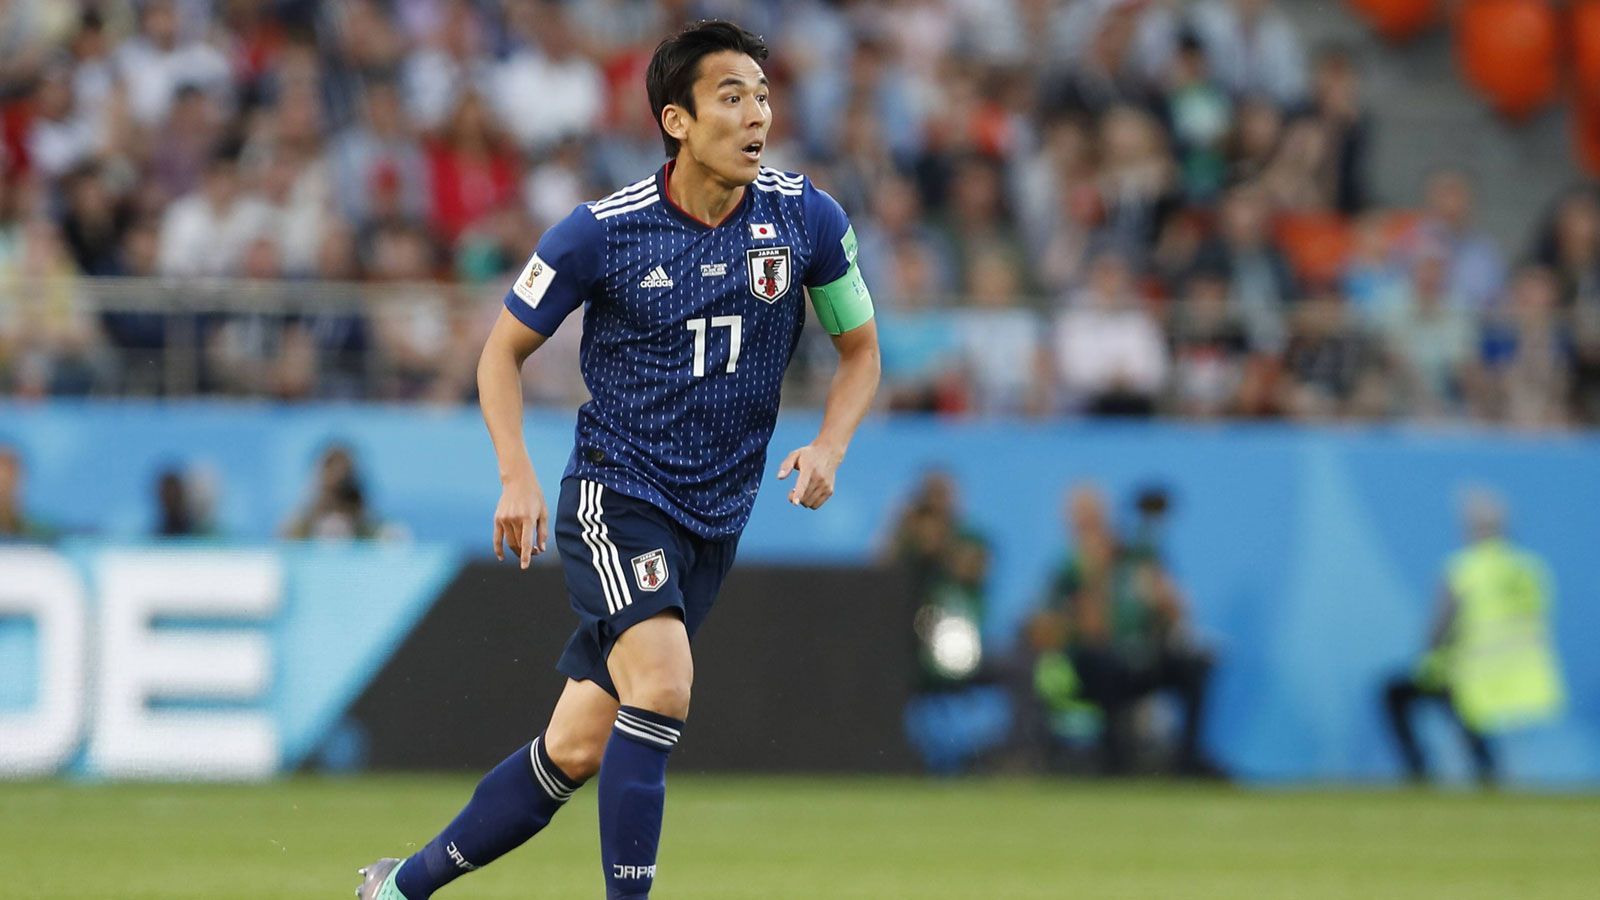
1117 617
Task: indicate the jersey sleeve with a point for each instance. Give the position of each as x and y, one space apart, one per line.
562 273
833 280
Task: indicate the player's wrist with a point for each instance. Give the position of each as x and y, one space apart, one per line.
833 450
518 473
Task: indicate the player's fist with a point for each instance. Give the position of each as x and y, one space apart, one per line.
520 519
816 467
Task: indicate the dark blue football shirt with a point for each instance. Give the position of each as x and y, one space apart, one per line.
688 331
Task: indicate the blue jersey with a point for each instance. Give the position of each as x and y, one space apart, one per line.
688 331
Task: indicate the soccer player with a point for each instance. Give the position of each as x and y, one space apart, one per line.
695 280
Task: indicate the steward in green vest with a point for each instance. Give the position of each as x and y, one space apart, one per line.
1491 655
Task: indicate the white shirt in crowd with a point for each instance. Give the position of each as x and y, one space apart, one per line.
199 239
153 76
1099 349
571 96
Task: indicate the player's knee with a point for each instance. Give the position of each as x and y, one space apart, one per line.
666 693
577 756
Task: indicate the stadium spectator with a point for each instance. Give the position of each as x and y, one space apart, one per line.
1527 352
94 222
976 220
1253 48
62 136
206 232
15 522
158 62
1118 617
448 63
548 62
472 168
1109 355
1199 114
906 260
1346 125
1331 367
1260 286
1138 181
1299 178
182 505
1570 246
1209 350
180 152
1257 132
337 507
413 324
1431 340
1001 347
1114 51
380 147
1490 660
1477 265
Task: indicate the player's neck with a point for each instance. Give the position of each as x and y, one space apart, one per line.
697 192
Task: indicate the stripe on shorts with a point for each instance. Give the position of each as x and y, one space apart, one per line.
607 562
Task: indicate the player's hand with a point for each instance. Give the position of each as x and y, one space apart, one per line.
520 520
814 483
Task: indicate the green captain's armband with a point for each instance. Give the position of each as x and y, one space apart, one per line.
843 303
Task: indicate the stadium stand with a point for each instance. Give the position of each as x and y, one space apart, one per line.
322 201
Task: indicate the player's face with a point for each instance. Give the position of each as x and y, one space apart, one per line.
729 129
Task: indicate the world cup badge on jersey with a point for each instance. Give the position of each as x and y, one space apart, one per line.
650 570
769 272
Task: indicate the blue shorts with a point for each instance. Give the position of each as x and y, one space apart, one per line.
626 561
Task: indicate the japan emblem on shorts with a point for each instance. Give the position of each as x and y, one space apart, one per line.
650 570
769 272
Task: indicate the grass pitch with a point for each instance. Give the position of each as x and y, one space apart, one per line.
740 839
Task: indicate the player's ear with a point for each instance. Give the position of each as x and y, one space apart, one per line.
675 121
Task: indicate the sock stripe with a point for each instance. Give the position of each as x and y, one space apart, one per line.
666 732
654 718
557 791
647 737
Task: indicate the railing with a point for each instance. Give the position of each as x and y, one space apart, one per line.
419 342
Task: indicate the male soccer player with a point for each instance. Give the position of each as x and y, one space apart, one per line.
693 279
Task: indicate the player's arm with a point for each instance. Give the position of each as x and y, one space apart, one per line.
843 307
849 397
561 273
520 518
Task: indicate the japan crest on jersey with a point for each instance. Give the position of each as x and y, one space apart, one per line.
650 570
770 269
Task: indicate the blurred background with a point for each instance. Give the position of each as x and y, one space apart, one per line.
1225 344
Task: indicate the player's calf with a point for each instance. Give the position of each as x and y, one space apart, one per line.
633 793
510 805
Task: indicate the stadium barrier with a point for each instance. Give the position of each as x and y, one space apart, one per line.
202 662
1310 557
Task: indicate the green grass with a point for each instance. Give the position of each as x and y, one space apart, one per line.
740 839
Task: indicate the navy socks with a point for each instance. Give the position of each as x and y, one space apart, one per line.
633 792
511 804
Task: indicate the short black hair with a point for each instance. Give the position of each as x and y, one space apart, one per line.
676 64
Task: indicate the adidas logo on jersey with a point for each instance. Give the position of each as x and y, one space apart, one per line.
657 278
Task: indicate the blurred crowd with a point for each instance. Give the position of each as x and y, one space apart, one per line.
1119 207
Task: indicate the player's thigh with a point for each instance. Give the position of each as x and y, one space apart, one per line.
651 665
